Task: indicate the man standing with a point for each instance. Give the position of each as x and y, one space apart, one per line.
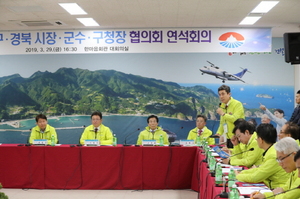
229 110
296 114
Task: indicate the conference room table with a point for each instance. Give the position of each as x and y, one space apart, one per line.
102 167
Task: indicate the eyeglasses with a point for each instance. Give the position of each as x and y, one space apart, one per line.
281 159
96 119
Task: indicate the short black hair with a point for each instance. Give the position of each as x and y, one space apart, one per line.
297 156
298 92
267 133
253 121
224 87
238 121
292 129
40 116
279 111
97 113
243 126
203 116
152 116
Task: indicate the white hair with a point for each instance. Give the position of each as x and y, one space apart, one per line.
287 145
265 116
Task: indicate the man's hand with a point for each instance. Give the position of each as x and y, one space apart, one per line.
220 111
257 195
278 190
234 140
225 161
262 107
225 149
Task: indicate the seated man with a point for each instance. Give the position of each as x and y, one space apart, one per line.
153 131
97 131
269 171
290 129
244 140
43 130
286 149
201 130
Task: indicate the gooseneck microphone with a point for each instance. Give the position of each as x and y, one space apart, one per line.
283 192
251 149
125 144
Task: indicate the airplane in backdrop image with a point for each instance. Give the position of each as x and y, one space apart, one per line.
222 74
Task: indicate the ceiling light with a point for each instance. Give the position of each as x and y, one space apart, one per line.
264 6
249 20
73 8
88 21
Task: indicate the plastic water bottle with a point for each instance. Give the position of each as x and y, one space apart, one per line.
234 193
198 140
219 175
231 178
212 164
114 140
161 140
52 140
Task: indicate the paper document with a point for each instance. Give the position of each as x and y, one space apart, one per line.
249 190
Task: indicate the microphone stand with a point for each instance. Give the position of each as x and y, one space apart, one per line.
283 192
125 144
252 149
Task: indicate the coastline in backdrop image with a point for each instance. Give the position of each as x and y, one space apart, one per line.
128 88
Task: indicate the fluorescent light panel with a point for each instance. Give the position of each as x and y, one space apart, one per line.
88 21
73 8
264 6
249 20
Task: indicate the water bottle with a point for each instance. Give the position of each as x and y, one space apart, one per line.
52 140
114 140
234 193
231 178
198 140
161 140
219 175
212 164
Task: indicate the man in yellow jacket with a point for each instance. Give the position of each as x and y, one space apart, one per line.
43 130
201 130
97 131
229 110
245 140
286 150
153 132
269 171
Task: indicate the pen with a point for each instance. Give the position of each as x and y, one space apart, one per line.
257 192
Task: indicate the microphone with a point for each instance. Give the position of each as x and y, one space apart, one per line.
224 193
128 136
214 136
171 142
221 143
283 192
251 149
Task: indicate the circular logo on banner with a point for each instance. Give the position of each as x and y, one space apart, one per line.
231 40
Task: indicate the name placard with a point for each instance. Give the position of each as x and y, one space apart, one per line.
40 142
91 143
149 142
187 142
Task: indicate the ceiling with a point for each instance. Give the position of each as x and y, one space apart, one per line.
112 14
